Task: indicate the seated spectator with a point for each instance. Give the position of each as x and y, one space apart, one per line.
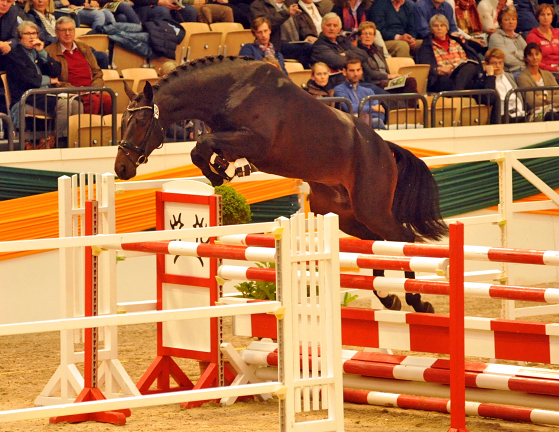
509 42
170 10
426 9
79 67
395 19
539 103
30 67
334 49
285 35
262 47
309 21
8 29
167 67
41 12
547 38
469 23
352 13
208 12
122 10
488 13
352 90
377 63
319 85
526 10
504 82
454 65
91 15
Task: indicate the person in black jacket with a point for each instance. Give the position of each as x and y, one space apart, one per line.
8 29
30 67
454 65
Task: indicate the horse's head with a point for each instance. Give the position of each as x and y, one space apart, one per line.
141 132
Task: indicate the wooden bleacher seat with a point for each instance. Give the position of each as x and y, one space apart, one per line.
110 74
203 45
234 41
300 77
137 74
108 121
99 42
86 130
406 116
80 31
124 59
474 115
395 63
292 66
420 72
117 85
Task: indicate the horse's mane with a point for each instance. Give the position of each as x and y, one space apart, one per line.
197 64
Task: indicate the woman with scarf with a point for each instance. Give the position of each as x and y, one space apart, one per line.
262 47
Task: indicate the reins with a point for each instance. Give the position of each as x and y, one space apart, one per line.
123 144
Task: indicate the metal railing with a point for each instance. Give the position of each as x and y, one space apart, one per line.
459 108
398 113
48 117
6 131
337 103
542 110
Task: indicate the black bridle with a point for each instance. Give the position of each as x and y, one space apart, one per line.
124 145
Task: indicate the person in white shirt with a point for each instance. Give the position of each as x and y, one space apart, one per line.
504 82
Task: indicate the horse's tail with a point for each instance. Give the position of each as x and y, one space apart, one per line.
416 199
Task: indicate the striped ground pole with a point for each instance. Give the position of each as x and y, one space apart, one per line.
426 369
379 247
251 253
503 412
471 289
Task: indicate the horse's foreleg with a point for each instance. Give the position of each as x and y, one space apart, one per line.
201 158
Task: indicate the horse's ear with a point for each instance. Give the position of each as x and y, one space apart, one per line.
148 92
129 92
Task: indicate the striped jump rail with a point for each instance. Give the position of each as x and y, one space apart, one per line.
379 247
503 412
250 253
378 283
425 369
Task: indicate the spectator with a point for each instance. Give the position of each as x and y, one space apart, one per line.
488 13
547 38
8 29
79 67
30 67
319 85
122 10
509 42
395 20
309 21
426 9
454 65
167 67
334 49
91 15
211 12
352 13
526 10
539 103
352 90
504 82
170 10
377 63
469 24
285 36
262 47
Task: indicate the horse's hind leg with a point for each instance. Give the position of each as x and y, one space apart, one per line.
414 299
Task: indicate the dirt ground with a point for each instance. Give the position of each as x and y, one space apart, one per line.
27 362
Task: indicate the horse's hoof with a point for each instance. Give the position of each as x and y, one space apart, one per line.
391 301
424 307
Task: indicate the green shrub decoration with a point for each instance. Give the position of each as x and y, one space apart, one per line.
235 209
259 290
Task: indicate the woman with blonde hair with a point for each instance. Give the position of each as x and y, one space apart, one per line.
509 42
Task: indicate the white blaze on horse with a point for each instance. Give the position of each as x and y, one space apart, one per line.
378 189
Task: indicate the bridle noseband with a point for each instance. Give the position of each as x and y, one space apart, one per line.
124 145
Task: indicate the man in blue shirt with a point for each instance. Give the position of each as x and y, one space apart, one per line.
424 11
350 89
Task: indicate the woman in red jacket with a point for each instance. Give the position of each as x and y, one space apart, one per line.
547 38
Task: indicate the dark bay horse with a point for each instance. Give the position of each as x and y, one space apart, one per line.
378 189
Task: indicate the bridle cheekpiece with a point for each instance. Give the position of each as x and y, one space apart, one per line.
127 145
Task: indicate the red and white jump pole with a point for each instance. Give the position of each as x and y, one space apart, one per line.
379 247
